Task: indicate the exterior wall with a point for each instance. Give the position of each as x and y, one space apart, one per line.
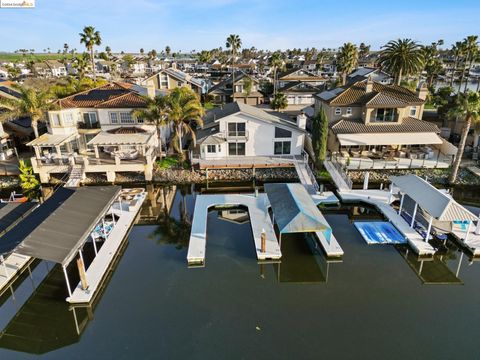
357 111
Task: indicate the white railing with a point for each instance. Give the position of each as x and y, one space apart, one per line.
310 173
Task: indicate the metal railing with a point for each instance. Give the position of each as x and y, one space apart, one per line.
236 135
310 173
341 171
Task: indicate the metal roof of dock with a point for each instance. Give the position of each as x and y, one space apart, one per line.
57 229
12 212
294 209
438 204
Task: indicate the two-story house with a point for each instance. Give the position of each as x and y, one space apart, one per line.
95 131
299 86
375 74
49 68
241 132
381 124
241 87
170 78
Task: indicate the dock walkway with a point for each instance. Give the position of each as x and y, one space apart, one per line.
259 219
12 267
99 266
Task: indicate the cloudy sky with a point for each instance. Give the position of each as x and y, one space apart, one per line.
266 24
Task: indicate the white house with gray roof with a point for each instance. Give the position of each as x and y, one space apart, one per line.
239 130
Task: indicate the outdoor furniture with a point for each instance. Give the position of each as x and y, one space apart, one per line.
126 155
355 153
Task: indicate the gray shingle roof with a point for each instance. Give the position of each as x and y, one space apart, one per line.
408 124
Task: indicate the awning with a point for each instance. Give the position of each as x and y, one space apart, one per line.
294 209
51 139
427 138
107 139
436 203
12 212
59 227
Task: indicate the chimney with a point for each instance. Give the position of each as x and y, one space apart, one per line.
369 86
150 89
422 91
302 120
174 65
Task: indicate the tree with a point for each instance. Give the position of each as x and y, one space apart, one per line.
234 43
31 103
276 62
457 51
432 63
279 101
65 48
142 51
321 55
185 112
471 52
347 60
247 85
13 71
108 50
363 50
129 61
401 57
80 63
28 181
168 50
155 113
90 37
319 137
467 105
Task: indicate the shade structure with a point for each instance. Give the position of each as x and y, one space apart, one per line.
439 205
12 212
294 209
60 226
107 139
427 138
51 139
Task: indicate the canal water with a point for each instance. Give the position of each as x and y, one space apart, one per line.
380 302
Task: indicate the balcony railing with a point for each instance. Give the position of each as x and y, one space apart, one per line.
236 135
88 126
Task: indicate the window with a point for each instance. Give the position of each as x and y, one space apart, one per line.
126 118
338 111
179 83
113 118
55 120
413 111
68 119
236 129
90 119
164 81
235 149
385 115
139 120
281 148
349 111
282 133
211 149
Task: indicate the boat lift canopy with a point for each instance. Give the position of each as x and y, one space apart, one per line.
59 227
294 210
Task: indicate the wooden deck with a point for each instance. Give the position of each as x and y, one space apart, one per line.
98 268
259 219
13 266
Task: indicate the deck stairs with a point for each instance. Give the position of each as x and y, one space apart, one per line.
77 174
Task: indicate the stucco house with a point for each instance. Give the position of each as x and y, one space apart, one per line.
381 124
94 131
170 78
241 131
49 68
226 91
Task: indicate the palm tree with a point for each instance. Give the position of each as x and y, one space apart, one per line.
90 38
167 50
234 43
457 51
30 103
155 113
466 105
279 101
184 110
276 62
81 64
471 50
347 60
401 57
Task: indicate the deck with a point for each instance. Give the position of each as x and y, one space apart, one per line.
99 266
13 266
473 240
259 219
381 200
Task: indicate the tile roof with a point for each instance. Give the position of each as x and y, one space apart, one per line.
112 95
408 124
356 94
382 99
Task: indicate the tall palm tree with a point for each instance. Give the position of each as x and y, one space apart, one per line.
347 60
276 62
401 57
466 105
90 37
155 113
185 111
457 51
234 43
471 50
30 103
81 64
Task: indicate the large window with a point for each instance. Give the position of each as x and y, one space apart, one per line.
282 133
385 115
413 111
68 119
236 129
126 118
282 147
235 149
113 118
55 120
211 149
90 119
164 80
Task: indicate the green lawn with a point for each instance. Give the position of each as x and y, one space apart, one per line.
36 57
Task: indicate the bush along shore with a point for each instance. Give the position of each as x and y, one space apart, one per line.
435 176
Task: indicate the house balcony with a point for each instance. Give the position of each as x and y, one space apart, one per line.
236 135
88 126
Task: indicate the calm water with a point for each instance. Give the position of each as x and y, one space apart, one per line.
378 303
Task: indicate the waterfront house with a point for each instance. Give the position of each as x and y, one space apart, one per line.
246 89
238 131
372 125
94 131
375 74
49 68
168 79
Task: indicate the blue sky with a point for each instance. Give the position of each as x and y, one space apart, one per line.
266 24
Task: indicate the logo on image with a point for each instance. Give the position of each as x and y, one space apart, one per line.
17 3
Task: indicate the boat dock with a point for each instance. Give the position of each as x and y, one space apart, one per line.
95 273
381 199
259 220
